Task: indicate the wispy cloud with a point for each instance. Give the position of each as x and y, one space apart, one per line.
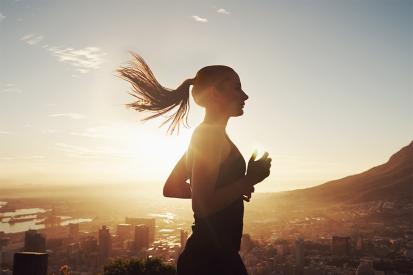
69 115
2 17
93 132
84 152
34 157
10 88
84 59
77 151
223 11
4 133
49 131
199 19
32 39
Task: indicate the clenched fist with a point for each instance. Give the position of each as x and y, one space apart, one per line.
258 170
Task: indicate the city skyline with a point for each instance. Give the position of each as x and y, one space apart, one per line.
330 228
329 86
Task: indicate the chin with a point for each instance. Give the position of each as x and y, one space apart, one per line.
239 113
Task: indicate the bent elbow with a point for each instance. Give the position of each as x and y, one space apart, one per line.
166 192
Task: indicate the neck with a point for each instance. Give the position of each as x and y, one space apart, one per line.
216 119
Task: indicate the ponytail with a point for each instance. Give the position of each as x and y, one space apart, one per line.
153 97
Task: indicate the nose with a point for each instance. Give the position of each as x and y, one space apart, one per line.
244 96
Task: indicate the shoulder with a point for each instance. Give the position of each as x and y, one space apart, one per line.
207 132
207 138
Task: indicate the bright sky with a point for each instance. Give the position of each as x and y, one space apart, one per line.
330 85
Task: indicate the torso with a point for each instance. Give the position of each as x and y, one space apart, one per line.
222 229
227 149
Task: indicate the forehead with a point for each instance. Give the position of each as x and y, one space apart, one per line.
231 78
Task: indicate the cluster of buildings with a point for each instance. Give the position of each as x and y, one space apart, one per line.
301 244
85 252
339 255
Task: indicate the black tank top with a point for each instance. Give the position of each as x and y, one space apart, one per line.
223 229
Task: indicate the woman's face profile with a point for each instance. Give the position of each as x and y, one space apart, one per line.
231 96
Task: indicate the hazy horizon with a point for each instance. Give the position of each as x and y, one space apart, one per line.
329 84
151 188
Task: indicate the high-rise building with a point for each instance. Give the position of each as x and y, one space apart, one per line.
89 244
129 245
34 242
73 231
124 231
341 246
30 263
281 246
149 222
359 244
104 244
141 237
299 256
55 244
184 238
4 241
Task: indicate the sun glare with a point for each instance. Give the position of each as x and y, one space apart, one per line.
152 152
260 149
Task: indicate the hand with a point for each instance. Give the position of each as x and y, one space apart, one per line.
258 170
247 196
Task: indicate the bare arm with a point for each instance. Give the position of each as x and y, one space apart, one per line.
176 185
206 199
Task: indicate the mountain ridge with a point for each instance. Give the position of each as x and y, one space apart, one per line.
392 180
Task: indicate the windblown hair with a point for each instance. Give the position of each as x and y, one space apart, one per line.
153 97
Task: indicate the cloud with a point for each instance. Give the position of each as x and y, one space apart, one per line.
93 132
4 133
50 131
83 152
2 17
199 19
223 11
34 157
69 115
10 88
76 151
84 59
32 39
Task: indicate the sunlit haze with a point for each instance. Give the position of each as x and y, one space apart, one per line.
329 86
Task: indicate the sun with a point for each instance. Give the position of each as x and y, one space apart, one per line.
149 152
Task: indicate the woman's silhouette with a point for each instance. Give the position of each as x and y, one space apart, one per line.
219 180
